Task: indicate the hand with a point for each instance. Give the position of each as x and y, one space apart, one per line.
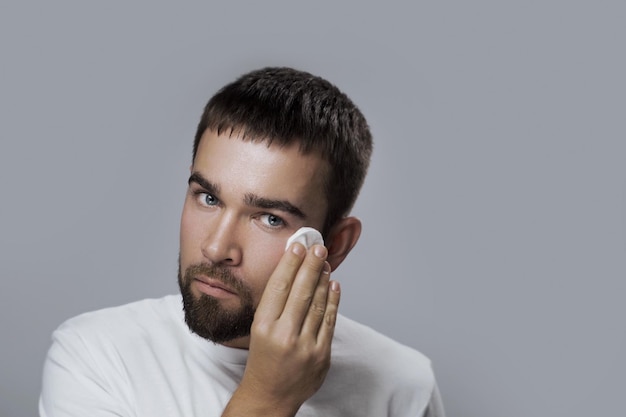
290 339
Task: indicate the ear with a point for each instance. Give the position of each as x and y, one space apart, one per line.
341 239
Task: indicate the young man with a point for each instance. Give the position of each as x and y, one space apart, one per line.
259 333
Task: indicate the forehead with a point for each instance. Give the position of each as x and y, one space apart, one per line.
278 172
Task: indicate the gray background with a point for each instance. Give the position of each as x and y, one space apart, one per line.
494 211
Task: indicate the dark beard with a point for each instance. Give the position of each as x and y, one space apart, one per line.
205 316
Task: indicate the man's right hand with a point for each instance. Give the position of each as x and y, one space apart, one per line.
290 339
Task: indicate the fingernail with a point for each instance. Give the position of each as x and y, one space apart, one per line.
326 269
298 249
319 251
334 285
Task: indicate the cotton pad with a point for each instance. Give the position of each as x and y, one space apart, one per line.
307 236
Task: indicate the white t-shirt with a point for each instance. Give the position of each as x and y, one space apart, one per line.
141 360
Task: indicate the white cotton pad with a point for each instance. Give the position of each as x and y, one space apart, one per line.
307 236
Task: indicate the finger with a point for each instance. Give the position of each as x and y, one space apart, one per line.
327 328
316 311
303 288
279 285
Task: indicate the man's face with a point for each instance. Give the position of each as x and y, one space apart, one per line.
244 201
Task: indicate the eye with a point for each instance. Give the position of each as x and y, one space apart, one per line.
272 220
206 199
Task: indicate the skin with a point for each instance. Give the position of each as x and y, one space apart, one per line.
244 200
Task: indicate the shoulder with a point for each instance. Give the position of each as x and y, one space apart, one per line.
136 311
392 374
96 357
363 342
127 323
372 374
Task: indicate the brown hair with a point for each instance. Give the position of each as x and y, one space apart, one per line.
283 106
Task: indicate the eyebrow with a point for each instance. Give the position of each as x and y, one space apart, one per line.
204 183
267 203
250 199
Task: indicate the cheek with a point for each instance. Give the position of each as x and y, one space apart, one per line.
190 231
262 259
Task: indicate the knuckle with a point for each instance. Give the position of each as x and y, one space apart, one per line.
260 328
318 309
288 343
279 286
304 298
330 318
292 262
319 359
314 263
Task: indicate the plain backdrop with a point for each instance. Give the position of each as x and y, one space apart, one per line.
494 210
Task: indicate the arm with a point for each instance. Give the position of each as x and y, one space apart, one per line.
290 337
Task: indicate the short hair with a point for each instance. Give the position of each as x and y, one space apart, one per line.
284 106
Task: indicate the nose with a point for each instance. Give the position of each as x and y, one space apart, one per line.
221 245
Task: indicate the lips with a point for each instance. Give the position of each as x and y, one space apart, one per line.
213 287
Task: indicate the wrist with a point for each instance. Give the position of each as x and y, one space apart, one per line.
251 403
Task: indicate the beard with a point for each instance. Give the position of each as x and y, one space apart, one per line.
205 315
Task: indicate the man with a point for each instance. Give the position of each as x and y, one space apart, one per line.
276 150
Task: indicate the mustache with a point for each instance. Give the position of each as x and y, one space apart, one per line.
218 272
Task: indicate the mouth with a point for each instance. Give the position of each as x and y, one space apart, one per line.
213 287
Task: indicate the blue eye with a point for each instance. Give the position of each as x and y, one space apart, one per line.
207 199
272 220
